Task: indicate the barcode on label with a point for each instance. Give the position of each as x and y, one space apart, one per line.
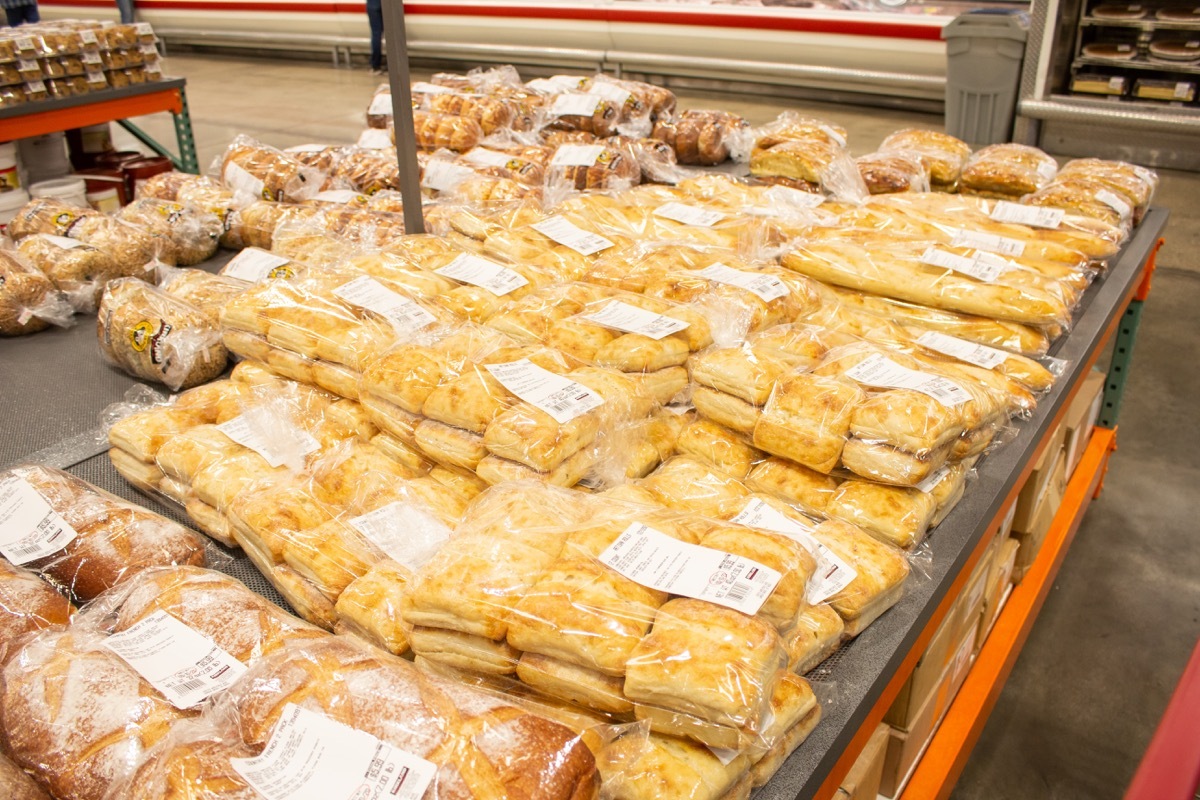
737 593
189 686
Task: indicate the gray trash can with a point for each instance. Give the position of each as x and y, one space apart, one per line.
984 51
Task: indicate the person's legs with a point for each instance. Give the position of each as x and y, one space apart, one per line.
20 14
375 17
126 9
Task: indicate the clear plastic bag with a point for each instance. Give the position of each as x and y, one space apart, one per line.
157 337
28 300
91 541
205 291
700 137
76 269
589 167
943 154
254 171
129 246
27 605
1007 171
188 234
809 152
449 131
887 173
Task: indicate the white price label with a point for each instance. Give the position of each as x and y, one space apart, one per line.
1147 176
879 370
240 180
88 37
1033 216
177 660
980 267
1115 202
484 273
561 398
555 84
144 29
312 757
24 43
444 176
381 105
562 231
689 215
786 195
631 319
610 92
833 134
832 575
487 158
36 87
368 293
1116 82
575 105
988 242
1183 90
375 139
28 65
278 443
405 533
148 50
655 560
255 265
65 242
767 287
1046 170
931 482
970 352
424 87
29 528
307 148
92 58
577 155
342 196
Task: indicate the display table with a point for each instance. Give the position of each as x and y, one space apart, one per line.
55 388
111 105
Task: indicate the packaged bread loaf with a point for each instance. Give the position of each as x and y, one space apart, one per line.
577 168
77 716
420 714
204 290
29 302
702 137
435 131
255 171
886 173
1084 196
84 540
955 279
130 247
1007 171
27 604
16 784
190 234
491 113
943 154
157 337
76 269
1134 183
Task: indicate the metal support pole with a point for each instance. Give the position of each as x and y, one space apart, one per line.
402 115
1122 360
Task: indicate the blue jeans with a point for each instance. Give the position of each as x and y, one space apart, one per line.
21 14
375 17
126 9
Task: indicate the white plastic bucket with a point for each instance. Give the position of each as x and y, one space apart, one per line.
106 200
44 157
10 203
68 190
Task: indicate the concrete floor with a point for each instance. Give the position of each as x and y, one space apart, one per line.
1117 628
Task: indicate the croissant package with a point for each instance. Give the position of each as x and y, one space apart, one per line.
564 244
185 235
943 155
375 720
157 337
77 269
1007 171
254 171
858 580
533 583
809 154
29 301
887 173
82 540
323 328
